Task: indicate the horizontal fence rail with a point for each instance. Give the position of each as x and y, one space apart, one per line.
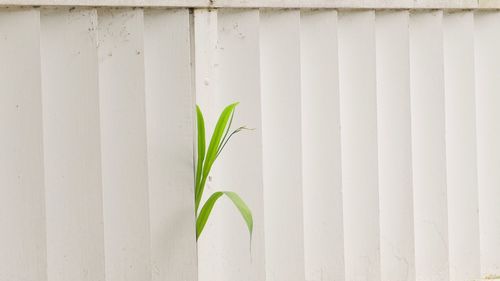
375 154
319 4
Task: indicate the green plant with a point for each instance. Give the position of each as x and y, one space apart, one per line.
205 161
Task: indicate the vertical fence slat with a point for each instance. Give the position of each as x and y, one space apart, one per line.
394 146
323 228
487 44
281 134
463 220
205 62
428 145
75 246
123 145
170 109
240 165
358 118
22 212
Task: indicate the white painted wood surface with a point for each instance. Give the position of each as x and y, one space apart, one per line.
238 80
463 219
321 156
487 67
123 145
428 146
358 119
230 42
281 139
22 187
205 57
170 132
73 186
375 152
356 4
397 241
349 4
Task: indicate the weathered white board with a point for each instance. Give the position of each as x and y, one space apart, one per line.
358 119
463 219
170 112
71 130
321 159
204 34
281 140
316 4
240 164
123 145
22 192
397 243
487 68
428 146
348 4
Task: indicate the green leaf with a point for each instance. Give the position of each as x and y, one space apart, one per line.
243 208
220 129
226 133
202 219
206 210
226 140
201 148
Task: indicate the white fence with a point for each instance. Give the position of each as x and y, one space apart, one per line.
376 153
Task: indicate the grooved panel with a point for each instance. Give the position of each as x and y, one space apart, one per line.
321 159
75 244
358 119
